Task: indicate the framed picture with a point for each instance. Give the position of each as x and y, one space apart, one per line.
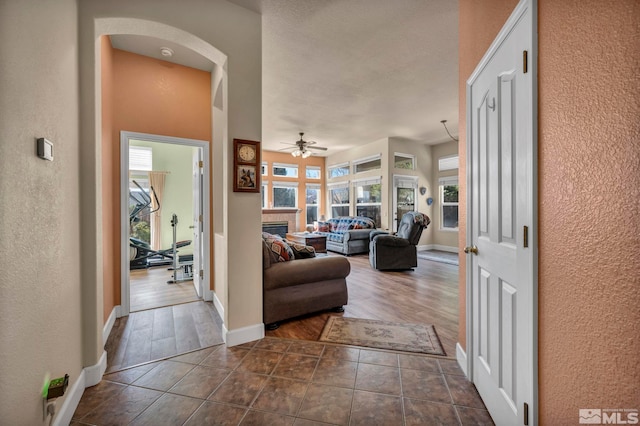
246 166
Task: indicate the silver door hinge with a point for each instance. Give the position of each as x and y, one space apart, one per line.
201 274
201 164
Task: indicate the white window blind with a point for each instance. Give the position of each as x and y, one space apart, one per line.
448 163
140 158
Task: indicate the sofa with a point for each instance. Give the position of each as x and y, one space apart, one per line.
347 234
296 282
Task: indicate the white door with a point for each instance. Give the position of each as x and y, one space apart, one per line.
500 279
197 219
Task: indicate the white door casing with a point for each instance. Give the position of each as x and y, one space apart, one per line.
125 136
501 206
198 169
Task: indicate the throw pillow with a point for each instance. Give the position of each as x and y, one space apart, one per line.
280 251
300 251
324 227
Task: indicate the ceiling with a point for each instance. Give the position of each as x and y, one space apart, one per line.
348 72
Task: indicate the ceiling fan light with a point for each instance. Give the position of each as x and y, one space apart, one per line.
306 154
296 153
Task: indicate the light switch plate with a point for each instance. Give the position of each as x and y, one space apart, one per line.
45 149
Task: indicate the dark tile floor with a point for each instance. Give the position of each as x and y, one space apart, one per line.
286 382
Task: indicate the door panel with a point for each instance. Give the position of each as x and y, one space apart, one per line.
501 278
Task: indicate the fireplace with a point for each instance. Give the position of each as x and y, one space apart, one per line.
276 228
288 218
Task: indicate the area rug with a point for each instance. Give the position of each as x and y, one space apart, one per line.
439 256
382 335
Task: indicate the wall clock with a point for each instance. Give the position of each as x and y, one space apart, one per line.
246 166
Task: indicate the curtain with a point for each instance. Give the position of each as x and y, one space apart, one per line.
156 180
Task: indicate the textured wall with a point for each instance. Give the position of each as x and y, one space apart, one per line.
479 24
40 309
589 287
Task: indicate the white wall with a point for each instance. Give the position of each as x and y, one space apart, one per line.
441 237
40 287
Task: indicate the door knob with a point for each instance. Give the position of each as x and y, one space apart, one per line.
472 249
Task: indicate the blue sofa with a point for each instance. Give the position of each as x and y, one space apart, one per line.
347 234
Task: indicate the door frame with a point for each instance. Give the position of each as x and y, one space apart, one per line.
532 177
125 136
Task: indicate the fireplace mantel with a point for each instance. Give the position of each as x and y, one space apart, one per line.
289 215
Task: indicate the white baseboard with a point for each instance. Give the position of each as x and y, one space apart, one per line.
243 335
461 356
207 296
89 376
106 330
438 247
218 305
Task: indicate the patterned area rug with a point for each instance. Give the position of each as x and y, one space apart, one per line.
439 256
382 335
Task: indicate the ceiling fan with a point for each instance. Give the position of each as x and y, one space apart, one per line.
301 148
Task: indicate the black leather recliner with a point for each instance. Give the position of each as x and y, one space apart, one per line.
398 251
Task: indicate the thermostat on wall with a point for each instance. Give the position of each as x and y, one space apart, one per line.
45 149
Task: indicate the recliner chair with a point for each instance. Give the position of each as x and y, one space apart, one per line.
398 251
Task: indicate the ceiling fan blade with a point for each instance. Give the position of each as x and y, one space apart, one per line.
321 148
288 148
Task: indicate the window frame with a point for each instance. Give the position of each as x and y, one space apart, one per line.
370 159
314 168
411 157
340 185
343 166
442 182
285 166
377 180
280 185
315 187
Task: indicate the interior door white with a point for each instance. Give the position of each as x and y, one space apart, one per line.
197 219
501 211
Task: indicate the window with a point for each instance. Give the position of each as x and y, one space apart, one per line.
263 193
448 163
288 170
313 172
449 203
404 161
339 170
313 195
369 199
339 196
140 158
285 194
265 169
367 164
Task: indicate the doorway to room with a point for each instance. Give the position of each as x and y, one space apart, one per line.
163 220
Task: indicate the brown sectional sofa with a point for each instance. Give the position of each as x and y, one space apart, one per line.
302 286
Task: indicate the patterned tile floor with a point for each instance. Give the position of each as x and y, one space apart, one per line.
286 382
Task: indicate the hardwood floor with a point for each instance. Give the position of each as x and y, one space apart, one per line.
427 295
149 289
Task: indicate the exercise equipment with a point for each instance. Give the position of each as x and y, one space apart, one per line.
141 255
182 268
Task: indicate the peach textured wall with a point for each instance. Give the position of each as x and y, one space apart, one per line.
589 180
279 157
479 24
109 249
156 97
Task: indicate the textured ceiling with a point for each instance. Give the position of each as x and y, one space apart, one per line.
350 72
